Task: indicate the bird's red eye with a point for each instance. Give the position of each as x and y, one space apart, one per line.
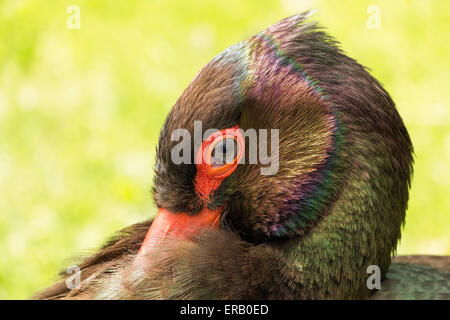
224 152
221 152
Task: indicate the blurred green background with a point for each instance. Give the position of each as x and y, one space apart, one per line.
81 109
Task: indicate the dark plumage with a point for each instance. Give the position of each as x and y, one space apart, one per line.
335 206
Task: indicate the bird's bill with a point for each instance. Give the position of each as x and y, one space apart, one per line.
178 225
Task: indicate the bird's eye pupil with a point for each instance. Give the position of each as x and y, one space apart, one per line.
225 151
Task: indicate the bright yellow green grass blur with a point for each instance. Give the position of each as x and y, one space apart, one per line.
81 109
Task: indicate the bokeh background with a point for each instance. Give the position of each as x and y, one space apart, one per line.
81 109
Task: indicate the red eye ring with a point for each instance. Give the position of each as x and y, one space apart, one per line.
204 153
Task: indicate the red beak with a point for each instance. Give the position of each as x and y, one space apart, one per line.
208 178
179 225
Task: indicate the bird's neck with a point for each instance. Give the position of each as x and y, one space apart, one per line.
331 260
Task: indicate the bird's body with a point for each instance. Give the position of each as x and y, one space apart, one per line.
309 230
409 277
